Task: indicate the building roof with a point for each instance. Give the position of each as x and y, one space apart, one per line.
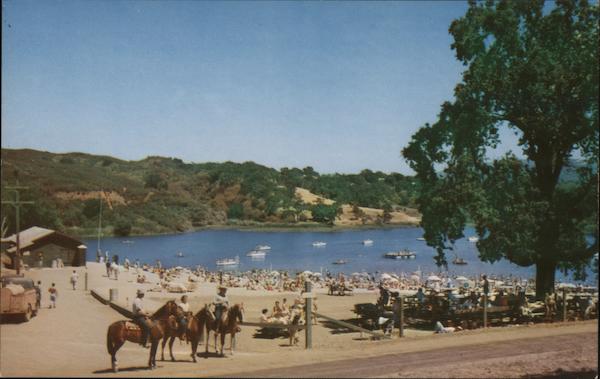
28 237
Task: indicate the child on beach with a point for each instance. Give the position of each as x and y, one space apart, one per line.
53 294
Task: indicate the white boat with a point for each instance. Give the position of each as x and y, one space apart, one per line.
228 261
403 254
420 239
262 247
367 242
256 253
473 239
180 254
127 241
319 244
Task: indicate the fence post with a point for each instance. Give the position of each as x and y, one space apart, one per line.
86 280
308 310
564 295
485 310
401 316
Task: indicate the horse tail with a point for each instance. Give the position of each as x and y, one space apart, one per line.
109 344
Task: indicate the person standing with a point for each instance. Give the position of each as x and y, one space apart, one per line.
38 294
53 295
74 278
486 286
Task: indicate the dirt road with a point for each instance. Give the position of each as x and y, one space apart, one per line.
542 355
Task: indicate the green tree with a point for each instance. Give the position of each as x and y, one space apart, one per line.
236 211
325 213
122 228
534 72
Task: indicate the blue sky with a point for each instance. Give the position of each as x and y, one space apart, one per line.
340 86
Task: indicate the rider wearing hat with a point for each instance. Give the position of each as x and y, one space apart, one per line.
140 316
221 303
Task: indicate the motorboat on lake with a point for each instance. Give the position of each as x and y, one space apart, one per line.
228 261
367 242
420 239
180 255
459 261
127 241
257 254
319 244
402 254
340 262
262 247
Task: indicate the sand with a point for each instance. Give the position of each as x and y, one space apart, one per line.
70 340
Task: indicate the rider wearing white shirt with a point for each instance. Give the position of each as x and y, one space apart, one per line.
139 316
221 302
185 307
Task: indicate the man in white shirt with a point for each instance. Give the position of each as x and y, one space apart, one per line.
221 303
74 277
185 307
140 317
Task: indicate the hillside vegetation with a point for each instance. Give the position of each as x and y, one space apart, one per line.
163 195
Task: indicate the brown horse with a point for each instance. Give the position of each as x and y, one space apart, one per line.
172 331
229 325
196 325
125 330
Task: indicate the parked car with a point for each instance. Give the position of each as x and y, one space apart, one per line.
18 297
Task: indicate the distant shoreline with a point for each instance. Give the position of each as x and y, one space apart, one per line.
265 227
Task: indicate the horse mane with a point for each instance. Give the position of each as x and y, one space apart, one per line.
160 311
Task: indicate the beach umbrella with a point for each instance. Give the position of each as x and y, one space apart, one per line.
416 278
275 273
392 279
394 276
178 268
461 279
385 276
307 272
434 278
317 274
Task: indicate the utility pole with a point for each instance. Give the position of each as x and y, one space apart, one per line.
17 204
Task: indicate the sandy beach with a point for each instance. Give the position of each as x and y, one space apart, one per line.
71 339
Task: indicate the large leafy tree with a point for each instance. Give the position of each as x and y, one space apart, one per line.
531 70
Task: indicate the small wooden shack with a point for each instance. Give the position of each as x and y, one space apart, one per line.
41 247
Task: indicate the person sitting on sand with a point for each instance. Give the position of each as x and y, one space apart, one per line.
285 309
264 318
277 311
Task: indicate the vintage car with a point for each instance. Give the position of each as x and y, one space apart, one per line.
18 297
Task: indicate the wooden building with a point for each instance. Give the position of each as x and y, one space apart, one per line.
41 247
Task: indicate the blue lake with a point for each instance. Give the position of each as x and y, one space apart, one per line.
293 251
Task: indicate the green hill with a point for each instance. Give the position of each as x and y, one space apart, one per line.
163 195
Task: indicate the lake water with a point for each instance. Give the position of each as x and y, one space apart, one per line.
293 251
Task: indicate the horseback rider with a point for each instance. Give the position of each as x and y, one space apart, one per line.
185 307
140 316
221 303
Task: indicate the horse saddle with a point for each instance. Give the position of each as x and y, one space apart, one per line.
132 326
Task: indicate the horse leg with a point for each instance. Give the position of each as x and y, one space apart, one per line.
162 351
152 358
171 348
222 343
232 342
207 339
194 342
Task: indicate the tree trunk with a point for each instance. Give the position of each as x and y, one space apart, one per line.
544 278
